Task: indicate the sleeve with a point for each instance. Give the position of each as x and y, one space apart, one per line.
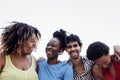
68 73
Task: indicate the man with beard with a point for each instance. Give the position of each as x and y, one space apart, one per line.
81 65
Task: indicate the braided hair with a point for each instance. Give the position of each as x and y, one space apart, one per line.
61 36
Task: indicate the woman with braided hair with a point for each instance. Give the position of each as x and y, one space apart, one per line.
52 68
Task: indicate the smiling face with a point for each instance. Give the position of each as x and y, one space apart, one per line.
29 45
73 49
104 61
53 48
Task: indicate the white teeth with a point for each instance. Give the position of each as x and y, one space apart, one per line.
49 52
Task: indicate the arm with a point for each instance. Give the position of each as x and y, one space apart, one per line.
97 72
38 60
68 73
2 62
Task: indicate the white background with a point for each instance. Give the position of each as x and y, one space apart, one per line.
92 20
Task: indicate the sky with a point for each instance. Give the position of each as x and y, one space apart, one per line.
91 20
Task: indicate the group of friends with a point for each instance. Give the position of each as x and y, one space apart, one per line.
18 41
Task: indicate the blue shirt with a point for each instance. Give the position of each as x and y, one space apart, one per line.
59 71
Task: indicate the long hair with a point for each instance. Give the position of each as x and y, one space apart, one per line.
16 33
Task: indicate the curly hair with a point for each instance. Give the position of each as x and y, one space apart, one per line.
72 38
96 50
14 33
61 36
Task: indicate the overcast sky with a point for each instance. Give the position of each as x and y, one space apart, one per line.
92 20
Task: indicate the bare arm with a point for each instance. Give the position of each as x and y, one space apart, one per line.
97 72
2 62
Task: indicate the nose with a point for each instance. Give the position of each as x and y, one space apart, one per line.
72 48
34 44
105 66
48 47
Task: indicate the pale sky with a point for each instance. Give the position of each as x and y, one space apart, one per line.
91 20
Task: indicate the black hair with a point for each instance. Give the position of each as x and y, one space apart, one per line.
96 50
73 37
61 36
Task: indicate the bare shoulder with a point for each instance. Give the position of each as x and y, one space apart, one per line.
97 72
2 61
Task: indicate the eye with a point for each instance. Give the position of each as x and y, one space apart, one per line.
69 47
105 62
76 45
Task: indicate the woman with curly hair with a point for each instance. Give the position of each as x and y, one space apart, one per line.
17 43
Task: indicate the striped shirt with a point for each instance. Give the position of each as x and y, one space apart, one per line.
87 75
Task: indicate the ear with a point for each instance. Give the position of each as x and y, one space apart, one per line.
61 51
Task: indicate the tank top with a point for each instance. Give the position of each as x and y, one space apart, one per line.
10 72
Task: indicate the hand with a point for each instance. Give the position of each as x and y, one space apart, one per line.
40 59
117 53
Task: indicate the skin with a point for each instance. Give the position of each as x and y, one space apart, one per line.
52 50
73 49
21 60
103 62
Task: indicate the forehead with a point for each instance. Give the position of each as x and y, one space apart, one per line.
33 36
101 60
72 43
54 40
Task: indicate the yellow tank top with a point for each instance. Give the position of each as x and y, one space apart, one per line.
10 72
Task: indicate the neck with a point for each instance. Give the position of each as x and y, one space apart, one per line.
77 62
52 61
19 55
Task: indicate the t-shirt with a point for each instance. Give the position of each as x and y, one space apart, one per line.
59 71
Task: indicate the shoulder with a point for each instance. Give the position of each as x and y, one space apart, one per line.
42 62
86 60
33 59
97 72
65 65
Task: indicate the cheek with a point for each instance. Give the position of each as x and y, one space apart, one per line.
104 65
28 50
79 49
68 50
